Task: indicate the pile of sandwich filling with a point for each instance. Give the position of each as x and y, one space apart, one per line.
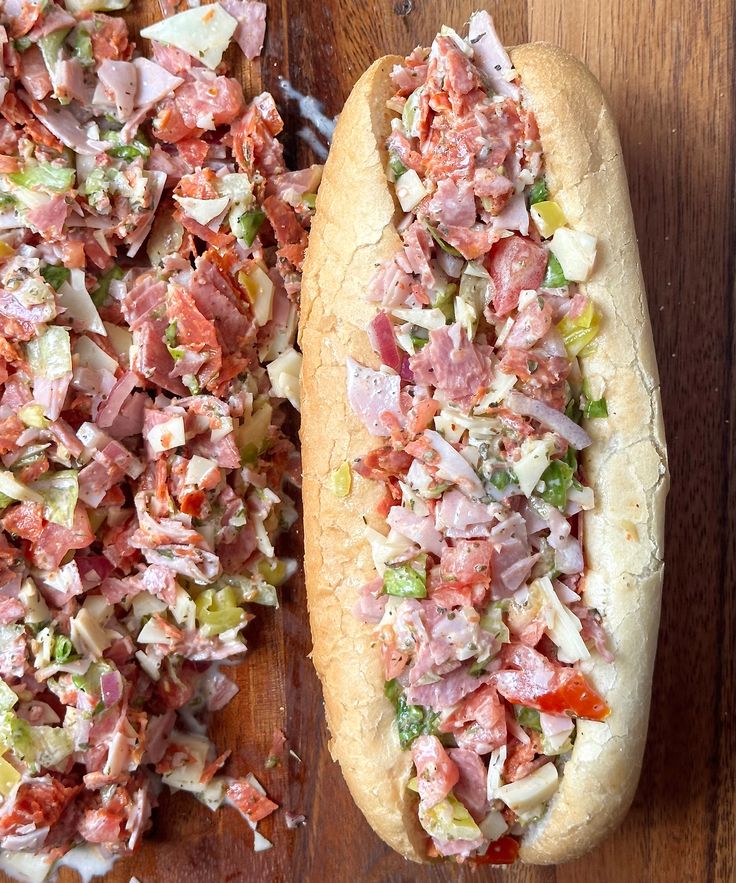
478 404
151 245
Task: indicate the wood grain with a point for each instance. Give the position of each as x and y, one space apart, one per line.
668 71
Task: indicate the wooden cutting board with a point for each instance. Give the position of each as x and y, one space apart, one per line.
668 71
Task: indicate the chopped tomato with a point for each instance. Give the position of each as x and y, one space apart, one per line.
249 801
503 851
548 687
468 561
575 695
515 264
193 150
193 503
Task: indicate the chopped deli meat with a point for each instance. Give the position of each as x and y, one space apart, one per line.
477 401
150 253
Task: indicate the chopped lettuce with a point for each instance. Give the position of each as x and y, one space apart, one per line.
8 697
81 43
528 717
50 356
16 490
410 113
534 460
37 747
32 415
445 246
55 275
99 295
51 745
492 621
60 492
50 45
563 627
44 176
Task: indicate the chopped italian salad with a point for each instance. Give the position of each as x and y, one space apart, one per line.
151 246
478 404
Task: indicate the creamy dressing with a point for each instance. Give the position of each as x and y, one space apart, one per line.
312 110
25 866
88 860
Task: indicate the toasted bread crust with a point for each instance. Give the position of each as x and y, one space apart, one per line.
353 232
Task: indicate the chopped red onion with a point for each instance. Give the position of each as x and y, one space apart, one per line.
558 422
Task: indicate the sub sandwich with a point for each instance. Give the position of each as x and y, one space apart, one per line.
484 455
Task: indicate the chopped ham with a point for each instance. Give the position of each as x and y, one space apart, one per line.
453 363
153 82
418 528
453 203
251 29
490 55
373 395
120 79
470 788
34 75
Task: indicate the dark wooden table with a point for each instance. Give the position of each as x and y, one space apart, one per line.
668 70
